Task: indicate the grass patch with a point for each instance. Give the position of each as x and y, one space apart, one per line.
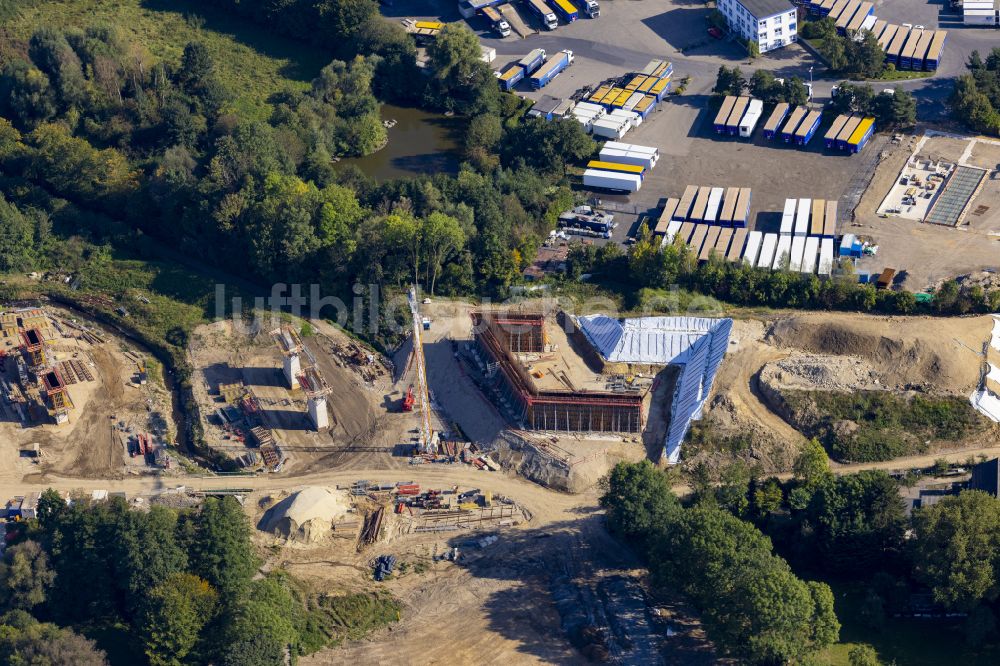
331 620
902 75
252 63
868 426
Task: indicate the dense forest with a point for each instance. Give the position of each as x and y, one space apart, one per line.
171 586
737 547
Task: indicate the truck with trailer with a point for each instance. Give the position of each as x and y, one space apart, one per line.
545 13
551 69
749 121
497 21
807 128
531 62
510 76
565 9
610 180
774 121
590 8
788 133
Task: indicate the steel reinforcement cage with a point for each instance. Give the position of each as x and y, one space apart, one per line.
566 411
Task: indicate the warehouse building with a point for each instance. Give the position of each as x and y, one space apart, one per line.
770 23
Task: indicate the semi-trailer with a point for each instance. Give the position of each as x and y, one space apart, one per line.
802 217
818 211
810 254
847 14
551 69
774 121
698 238
862 134
645 106
711 238
846 131
830 219
531 62
673 228
510 76
749 121
687 200
611 180
830 138
565 9
590 8
788 133
825 6
610 128
933 58
722 244
723 115
878 28
545 13
896 45
714 202
627 157
887 36
795 259
782 252
807 128
737 244
767 249
497 21
868 23
684 235
752 250
910 50
729 206
653 152
742 213
617 166
825 257
733 122
667 214
700 204
788 218
920 52
838 8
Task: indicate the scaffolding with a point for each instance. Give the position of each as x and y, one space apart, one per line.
58 396
518 332
566 411
34 348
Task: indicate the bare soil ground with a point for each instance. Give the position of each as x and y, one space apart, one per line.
839 351
86 446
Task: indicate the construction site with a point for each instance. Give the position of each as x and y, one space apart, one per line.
77 399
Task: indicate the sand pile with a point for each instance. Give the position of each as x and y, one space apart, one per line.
822 373
306 515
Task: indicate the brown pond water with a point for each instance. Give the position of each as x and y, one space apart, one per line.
421 142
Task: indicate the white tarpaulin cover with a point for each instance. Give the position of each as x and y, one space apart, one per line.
984 400
696 343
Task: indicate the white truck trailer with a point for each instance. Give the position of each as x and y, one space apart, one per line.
611 180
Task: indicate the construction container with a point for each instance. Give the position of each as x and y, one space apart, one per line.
884 280
614 166
774 121
788 133
551 69
802 217
723 115
752 250
807 128
798 248
610 180
810 255
861 135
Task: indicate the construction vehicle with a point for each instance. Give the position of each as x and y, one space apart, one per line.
409 400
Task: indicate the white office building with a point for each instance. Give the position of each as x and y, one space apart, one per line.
770 23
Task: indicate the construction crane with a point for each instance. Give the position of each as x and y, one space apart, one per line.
418 356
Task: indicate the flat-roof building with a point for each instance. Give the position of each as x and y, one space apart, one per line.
769 23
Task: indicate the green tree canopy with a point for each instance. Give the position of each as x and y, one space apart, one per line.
176 611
